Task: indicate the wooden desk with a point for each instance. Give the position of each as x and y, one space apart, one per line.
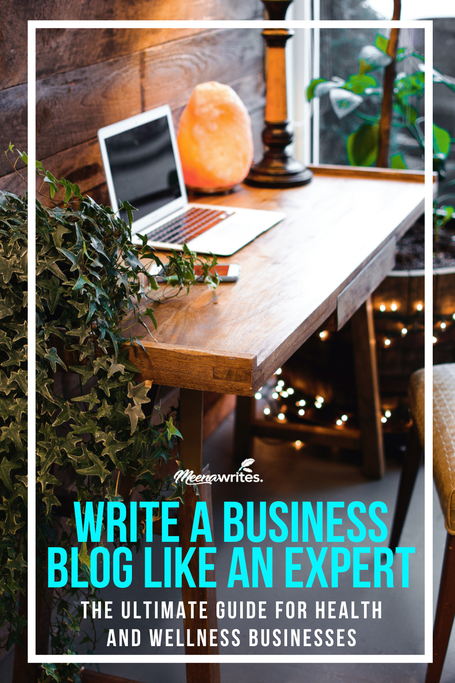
293 277
334 247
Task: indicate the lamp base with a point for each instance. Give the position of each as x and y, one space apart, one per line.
279 178
278 168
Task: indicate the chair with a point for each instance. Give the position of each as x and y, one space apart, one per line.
444 476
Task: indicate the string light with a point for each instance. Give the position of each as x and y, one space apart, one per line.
407 324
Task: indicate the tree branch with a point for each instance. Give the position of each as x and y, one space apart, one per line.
385 123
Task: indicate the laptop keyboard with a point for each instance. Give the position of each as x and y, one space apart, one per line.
188 225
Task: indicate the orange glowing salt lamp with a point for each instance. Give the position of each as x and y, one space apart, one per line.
215 139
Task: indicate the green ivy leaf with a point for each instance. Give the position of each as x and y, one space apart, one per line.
53 358
8 266
85 371
6 467
111 447
114 368
51 671
139 392
91 398
19 378
84 557
15 357
135 414
96 469
172 429
64 415
129 210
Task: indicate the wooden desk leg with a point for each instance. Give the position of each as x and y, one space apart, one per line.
243 438
368 400
191 416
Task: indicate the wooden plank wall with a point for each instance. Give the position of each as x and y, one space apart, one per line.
89 78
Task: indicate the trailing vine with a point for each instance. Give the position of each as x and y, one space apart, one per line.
94 442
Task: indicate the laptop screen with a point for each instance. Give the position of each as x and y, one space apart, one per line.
143 167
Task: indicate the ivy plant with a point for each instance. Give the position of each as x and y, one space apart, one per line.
89 279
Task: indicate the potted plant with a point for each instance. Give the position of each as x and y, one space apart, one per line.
94 437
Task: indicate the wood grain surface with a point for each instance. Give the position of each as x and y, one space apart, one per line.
357 291
82 163
15 13
405 175
88 78
290 280
70 109
73 104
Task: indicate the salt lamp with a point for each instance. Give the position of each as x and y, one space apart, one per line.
215 139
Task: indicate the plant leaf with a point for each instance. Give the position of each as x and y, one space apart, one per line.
311 88
397 161
135 414
441 141
362 146
374 57
139 392
344 101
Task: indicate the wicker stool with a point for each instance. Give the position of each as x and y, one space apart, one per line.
444 476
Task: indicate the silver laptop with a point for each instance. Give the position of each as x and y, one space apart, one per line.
142 165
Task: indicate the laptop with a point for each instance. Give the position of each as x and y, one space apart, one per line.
142 165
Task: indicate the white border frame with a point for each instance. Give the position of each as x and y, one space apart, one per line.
428 526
